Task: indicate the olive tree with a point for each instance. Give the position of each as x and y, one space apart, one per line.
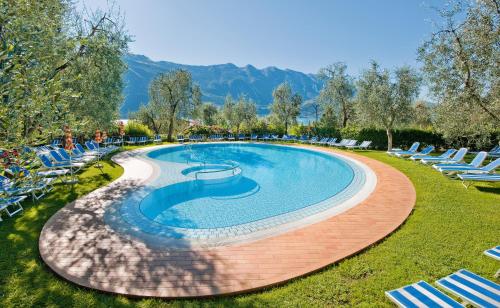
461 65
384 100
177 95
338 90
286 106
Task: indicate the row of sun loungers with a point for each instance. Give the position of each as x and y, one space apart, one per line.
143 140
326 141
451 163
56 163
469 287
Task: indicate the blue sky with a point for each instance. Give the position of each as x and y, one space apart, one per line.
296 34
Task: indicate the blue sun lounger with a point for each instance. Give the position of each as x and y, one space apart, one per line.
425 152
474 164
6 202
457 158
472 288
493 252
412 150
472 168
421 294
444 156
469 179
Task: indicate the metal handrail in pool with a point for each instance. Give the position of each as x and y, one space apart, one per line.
232 166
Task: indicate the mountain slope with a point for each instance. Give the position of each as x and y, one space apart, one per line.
216 81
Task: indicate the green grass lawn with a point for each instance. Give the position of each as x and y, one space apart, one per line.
448 230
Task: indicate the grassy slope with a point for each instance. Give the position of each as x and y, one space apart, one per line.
448 230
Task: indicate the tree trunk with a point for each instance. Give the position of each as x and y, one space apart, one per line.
389 139
170 129
286 127
344 121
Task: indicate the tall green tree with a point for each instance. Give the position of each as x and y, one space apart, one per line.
338 90
178 94
245 113
286 106
461 65
228 111
209 114
50 62
384 101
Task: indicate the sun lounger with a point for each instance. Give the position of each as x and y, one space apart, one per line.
462 167
426 151
469 179
5 203
412 150
472 288
493 252
457 158
444 156
364 145
420 294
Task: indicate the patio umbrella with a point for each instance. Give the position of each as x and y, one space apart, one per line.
121 130
68 146
104 136
98 140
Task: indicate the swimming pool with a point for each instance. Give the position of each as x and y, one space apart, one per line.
250 187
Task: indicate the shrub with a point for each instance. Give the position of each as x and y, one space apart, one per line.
205 130
136 129
401 137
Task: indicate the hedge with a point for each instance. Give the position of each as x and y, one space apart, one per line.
401 137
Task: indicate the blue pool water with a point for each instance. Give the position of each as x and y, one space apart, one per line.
274 180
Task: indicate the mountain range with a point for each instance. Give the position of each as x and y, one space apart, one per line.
216 81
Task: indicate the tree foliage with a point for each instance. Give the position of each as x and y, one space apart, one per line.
57 68
384 101
338 91
286 106
176 97
461 65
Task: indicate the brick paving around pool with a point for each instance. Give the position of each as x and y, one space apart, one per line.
78 245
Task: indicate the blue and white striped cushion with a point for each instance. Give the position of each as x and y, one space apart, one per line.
493 252
421 294
472 288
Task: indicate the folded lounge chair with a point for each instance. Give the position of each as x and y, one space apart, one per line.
426 151
412 150
472 288
457 158
421 294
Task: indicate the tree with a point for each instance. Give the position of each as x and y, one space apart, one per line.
178 96
228 111
422 117
384 101
245 112
338 90
53 63
208 114
460 64
286 106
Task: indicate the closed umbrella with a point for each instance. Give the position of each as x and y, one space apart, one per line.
68 146
121 128
98 140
